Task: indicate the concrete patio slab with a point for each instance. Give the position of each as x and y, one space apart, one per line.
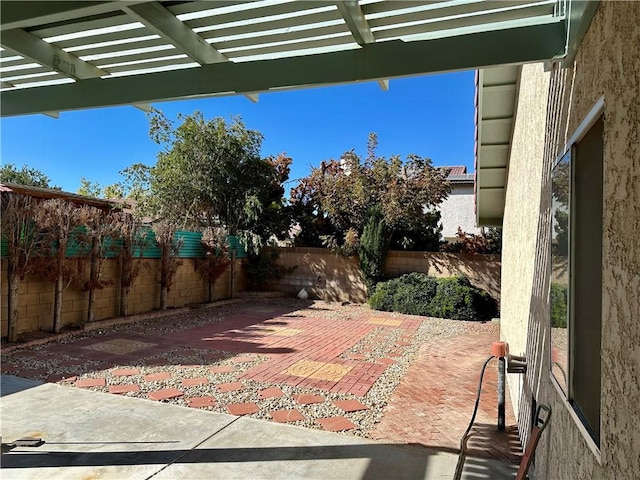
91 434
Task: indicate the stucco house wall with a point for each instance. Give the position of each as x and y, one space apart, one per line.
551 106
458 210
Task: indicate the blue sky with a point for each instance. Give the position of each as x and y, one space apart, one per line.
430 116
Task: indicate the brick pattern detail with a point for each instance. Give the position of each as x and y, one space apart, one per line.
242 408
271 393
155 377
91 382
229 387
165 394
284 416
125 372
201 402
433 403
335 424
308 399
349 405
192 382
124 388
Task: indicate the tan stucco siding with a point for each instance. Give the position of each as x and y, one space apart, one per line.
608 65
522 218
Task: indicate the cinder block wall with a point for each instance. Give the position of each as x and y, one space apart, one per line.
334 278
36 297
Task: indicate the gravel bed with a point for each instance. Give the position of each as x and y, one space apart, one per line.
193 363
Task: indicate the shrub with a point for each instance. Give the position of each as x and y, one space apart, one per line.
419 294
558 305
373 249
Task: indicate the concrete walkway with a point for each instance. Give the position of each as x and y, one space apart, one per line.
93 435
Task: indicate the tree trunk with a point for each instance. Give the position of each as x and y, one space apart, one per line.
93 279
233 271
163 277
12 304
210 292
124 301
57 306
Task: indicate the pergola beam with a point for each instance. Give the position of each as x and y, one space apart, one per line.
14 14
386 60
164 23
354 18
48 55
161 21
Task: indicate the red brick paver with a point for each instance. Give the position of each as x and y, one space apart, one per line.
165 394
192 382
349 405
201 402
242 408
284 416
307 399
124 388
230 387
154 377
335 424
433 404
91 382
271 393
125 372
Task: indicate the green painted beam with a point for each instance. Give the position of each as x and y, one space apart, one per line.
532 43
580 14
25 14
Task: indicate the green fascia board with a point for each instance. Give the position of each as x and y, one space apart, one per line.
519 43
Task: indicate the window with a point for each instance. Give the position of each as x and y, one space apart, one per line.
576 272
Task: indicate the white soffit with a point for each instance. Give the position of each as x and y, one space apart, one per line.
66 55
496 103
496 100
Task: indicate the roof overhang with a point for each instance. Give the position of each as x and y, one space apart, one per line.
61 55
496 100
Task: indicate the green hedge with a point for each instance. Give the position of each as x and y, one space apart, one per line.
420 294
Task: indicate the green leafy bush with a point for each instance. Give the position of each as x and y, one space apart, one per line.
404 294
419 294
558 305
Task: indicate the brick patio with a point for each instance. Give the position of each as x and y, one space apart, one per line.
265 348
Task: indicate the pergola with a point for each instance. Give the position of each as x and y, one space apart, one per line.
68 55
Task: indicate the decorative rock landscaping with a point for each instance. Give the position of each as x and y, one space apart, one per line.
313 364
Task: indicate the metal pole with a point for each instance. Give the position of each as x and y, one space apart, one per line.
501 393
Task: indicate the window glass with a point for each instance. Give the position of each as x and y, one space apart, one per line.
559 301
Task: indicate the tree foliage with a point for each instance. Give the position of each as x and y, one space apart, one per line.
210 174
23 243
58 220
359 206
89 188
342 193
30 177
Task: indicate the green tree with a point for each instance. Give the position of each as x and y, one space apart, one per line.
27 176
23 243
89 188
210 174
389 196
